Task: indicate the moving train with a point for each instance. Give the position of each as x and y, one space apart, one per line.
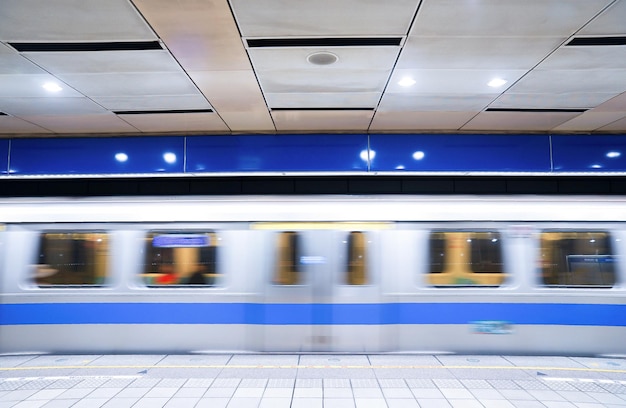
330 274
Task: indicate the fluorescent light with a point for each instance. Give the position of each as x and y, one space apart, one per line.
613 155
51 87
406 81
496 82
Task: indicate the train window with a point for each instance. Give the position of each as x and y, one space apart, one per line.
181 259
72 259
356 271
465 258
287 270
577 258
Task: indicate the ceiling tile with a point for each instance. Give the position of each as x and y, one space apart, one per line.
589 121
307 81
72 20
571 81
349 58
516 121
98 62
504 18
277 18
104 123
11 125
19 85
434 102
322 120
172 102
613 105
323 100
610 22
486 53
49 106
452 81
420 121
617 126
176 122
586 57
551 100
131 84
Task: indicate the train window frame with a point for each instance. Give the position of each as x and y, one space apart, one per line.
282 269
352 267
192 235
615 259
501 278
47 270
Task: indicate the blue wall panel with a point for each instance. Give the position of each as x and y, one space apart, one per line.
276 153
589 153
497 153
97 155
4 156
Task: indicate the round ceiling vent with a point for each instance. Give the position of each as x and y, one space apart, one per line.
322 58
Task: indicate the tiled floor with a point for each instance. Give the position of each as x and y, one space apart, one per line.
310 381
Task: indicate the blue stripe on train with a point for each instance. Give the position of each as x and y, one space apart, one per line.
316 314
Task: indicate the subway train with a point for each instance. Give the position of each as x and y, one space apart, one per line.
541 275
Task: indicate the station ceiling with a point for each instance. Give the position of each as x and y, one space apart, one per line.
122 67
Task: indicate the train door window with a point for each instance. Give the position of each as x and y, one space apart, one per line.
465 258
577 258
287 270
356 269
181 259
67 259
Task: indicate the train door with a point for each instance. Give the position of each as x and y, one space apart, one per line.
315 298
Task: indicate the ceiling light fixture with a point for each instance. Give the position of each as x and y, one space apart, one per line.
613 154
406 81
52 87
496 82
322 58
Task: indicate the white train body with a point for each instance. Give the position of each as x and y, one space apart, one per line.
314 274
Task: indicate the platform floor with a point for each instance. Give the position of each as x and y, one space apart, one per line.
310 381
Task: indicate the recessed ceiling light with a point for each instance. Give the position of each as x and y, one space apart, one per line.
51 87
496 82
406 81
322 58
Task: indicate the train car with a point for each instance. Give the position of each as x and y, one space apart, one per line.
331 274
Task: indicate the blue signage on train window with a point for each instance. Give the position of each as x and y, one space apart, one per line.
180 241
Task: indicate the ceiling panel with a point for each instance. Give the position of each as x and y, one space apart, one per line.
451 81
49 106
551 100
103 123
10 125
617 104
344 100
71 20
529 18
486 53
312 80
32 86
94 62
420 121
518 121
586 57
434 102
277 18
142 103
610 22
180 122
572 81
617 126
131 84
589 121
322 120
